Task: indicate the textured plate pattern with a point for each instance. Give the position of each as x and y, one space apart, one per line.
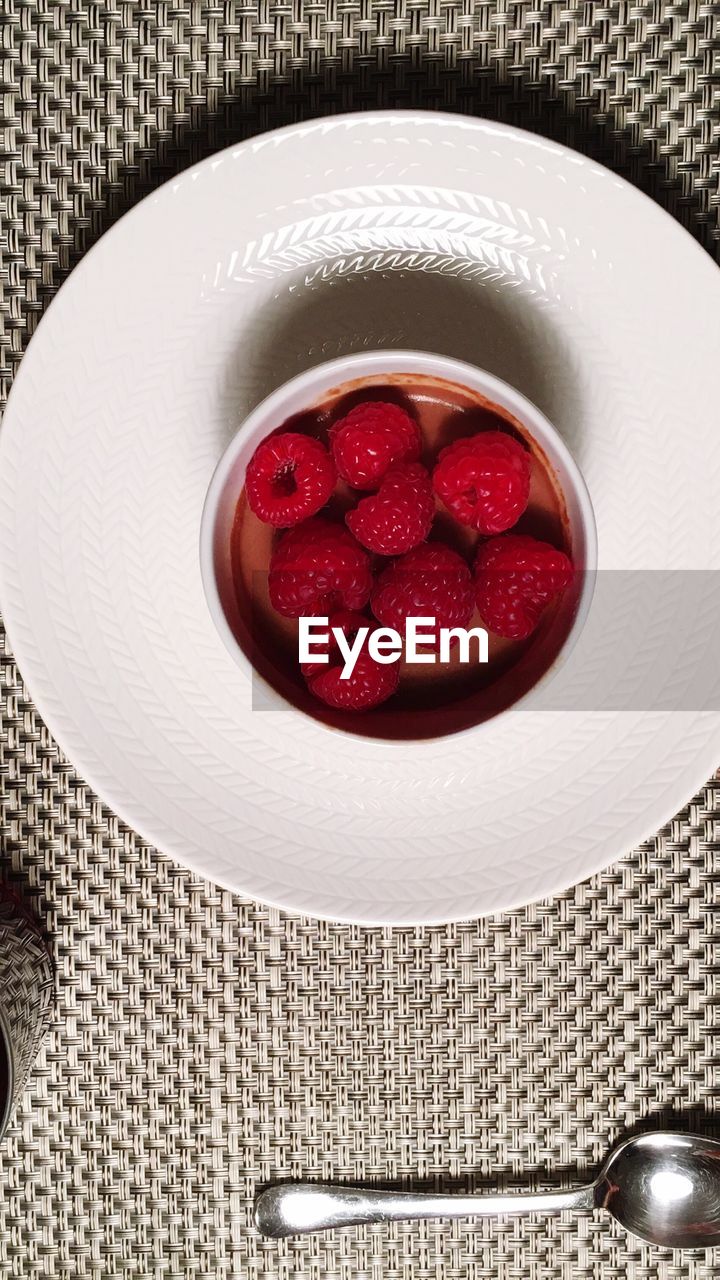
202 1043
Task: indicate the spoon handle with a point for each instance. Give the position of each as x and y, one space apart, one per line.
297 1208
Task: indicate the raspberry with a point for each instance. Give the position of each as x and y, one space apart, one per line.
431 581
484 481
317 568
515 578
289 478
370 438
399 515
369 684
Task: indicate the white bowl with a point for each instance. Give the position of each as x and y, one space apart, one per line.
307 391
396 229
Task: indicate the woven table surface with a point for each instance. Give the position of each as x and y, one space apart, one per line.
204 1044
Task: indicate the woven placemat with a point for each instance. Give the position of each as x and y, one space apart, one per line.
204 1044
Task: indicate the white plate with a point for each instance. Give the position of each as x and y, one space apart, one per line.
392 229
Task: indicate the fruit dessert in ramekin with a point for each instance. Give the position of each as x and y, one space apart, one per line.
388 488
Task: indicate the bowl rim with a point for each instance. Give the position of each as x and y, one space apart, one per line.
323 377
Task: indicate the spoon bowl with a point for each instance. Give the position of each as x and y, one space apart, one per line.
665 1188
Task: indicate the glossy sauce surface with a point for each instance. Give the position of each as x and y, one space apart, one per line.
433 699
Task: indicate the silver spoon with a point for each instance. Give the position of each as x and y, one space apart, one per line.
662 1187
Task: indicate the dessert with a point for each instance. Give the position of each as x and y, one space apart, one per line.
484 481
316 568
516 577
399 516
290 477
370 438
369 683
431 581
441 506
